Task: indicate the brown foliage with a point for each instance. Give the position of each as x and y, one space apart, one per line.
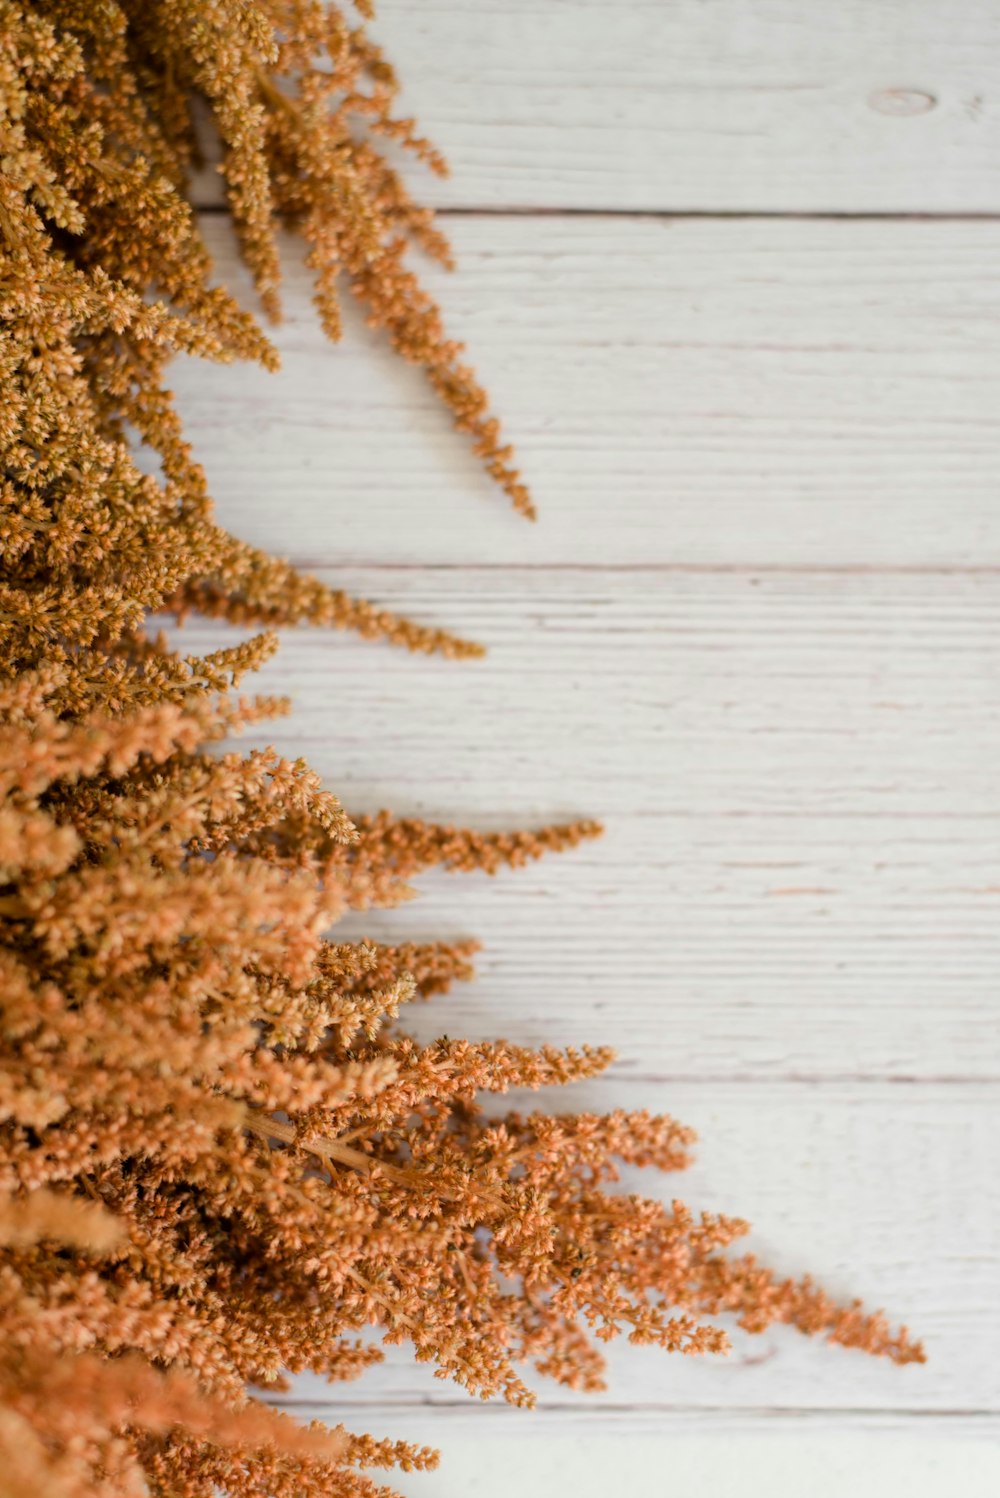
219 1159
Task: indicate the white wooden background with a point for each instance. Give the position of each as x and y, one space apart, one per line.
730 272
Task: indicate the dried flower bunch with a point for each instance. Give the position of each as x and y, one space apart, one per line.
220 1158
106 275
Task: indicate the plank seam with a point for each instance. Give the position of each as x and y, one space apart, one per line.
426 1402
819 215
698 569
804 1079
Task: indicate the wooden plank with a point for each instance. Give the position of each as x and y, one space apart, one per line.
884 1191
801 870
515 1452
756 105
446 1423
493 1454
534 1457
697 392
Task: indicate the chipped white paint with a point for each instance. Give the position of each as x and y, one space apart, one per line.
756 630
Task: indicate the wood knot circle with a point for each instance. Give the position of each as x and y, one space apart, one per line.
902 101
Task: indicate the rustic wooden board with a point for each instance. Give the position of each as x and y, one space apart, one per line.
698 392
764 1454
749 105
801 871
780 1456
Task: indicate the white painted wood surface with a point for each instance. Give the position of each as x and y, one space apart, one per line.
780 105
801 868
755 630
884 106
699 391
760 1456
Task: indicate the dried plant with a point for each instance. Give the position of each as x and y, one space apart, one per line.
220 1158
106 276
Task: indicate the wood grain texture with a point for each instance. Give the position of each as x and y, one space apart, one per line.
764 1454
708 393
885 1191
736 105
801 870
